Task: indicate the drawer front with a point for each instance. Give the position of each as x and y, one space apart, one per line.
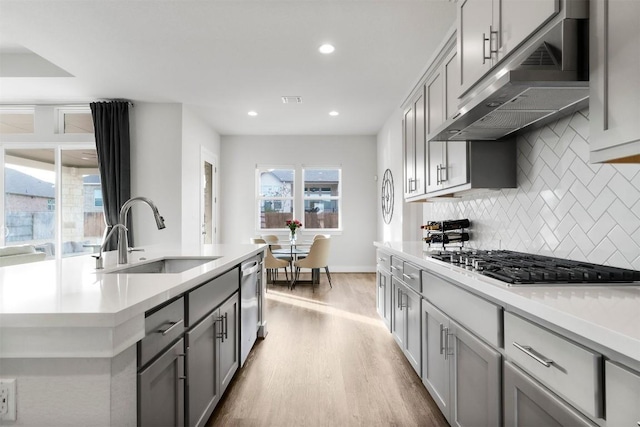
397 267
207 297
572 371
162 327
412 277
383 260
476 314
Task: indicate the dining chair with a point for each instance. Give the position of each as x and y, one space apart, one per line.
271 263
318 258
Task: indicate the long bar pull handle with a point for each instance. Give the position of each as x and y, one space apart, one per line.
438 175
226 326
443 171
491 33
446 343
533 354
221 335
172 325
484 48
441 339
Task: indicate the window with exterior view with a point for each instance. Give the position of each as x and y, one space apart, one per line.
322 198
275 197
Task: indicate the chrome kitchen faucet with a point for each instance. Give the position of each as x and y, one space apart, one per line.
123 240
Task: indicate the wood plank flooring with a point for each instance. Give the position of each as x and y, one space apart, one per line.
328 360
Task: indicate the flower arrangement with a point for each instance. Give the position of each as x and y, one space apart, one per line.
293 225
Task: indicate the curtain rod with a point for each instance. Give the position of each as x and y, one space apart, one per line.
118 100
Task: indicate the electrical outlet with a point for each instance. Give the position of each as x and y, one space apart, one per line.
8 399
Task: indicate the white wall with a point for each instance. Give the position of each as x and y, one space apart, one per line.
407 217
195 135
156 163
352 250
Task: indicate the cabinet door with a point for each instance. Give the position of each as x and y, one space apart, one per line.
413 345
455 170
475 380
229 355
436 161
475 23
409 151
383 297
161 389
420 143
614 104
397 313
435 101
623 396
435 369
527 403
521 18
202 383
452 84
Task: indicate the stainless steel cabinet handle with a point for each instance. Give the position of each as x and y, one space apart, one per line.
446 343
393 267
438 175
484 50
441 340
221 334
443 171
533 354
226 325
171 326
406 276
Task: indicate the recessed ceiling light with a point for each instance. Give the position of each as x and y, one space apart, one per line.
326 48
333 113
252 113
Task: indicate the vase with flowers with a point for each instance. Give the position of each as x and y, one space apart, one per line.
293 226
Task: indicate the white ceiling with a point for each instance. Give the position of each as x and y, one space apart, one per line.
223 58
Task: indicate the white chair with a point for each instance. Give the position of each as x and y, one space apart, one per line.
272 264
318 258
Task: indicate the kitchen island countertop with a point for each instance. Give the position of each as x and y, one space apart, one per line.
607 317
68 308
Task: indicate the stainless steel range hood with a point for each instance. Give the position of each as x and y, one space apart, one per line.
545 79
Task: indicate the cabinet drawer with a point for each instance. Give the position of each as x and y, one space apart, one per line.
411 276
396 267
162 327
383 260
478 315
569 369
203 300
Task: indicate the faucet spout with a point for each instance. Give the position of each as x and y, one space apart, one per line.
123 241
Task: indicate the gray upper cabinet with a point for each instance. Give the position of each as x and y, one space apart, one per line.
489 29
614 104
414 146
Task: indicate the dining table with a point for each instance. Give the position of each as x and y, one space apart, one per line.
293 250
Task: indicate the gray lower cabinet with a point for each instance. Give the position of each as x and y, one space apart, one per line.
161 389
528 403
212 359
405 322
461 372
623 396
383 296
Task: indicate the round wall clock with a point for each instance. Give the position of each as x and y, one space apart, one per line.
387 196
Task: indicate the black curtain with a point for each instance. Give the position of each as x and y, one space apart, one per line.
111 123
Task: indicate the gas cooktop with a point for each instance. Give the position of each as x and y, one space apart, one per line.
517 268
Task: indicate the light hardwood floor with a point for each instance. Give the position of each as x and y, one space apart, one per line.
328 360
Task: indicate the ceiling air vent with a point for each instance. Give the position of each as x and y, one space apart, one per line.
292 100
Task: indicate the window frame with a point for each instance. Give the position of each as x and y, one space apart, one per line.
70 109
260 199
337 198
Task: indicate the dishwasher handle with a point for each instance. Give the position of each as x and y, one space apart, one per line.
250 268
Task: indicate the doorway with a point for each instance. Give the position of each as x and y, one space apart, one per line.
208 201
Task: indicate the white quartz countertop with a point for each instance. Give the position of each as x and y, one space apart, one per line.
104 311
608 316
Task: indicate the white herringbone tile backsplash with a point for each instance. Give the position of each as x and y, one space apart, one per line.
563 206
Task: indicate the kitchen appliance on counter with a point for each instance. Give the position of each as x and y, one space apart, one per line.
517 268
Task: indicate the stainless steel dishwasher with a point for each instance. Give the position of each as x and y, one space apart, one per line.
250 288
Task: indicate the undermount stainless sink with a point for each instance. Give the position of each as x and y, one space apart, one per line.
171 265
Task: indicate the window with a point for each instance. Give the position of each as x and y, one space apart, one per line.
75 120
97 198
275 197
317 205
16 120
322 198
